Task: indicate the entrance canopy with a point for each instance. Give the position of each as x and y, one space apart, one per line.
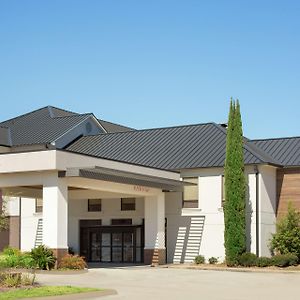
125 177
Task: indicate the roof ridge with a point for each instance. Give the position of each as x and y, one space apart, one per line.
26 114
77 115
278 138
62 109
253 149
152 129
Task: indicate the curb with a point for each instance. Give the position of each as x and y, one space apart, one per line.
241 270
79 296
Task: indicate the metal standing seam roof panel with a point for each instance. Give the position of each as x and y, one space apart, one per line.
172 148
285 150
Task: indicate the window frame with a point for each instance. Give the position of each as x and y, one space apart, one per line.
38 208
91 205
124 204
193 204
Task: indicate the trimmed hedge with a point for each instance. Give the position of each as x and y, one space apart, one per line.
247 259
200 259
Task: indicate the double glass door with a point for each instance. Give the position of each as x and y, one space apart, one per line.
118 245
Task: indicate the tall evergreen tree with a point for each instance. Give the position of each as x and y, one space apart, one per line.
235 188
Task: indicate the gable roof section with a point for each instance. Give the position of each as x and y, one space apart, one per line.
42 126
284 150
172 148
46 125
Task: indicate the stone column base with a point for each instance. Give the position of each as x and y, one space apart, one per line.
59 254
155 256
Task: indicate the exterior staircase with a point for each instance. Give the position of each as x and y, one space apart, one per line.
39 234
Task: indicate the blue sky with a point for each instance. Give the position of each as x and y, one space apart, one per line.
154 63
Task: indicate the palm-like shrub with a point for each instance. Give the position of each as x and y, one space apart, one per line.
43 257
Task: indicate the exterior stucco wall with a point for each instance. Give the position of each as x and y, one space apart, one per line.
29 222
268 207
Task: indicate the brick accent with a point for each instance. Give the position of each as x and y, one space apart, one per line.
154 256
59 254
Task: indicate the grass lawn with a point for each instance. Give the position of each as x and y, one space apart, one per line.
44 291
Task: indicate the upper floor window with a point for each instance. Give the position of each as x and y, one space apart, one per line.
94 205
128 204
38 205
190 193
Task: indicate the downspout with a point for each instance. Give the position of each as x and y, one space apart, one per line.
20 221
257 210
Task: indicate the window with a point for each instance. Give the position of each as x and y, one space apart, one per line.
94 204
223 191
121 222
38 205
190 193
128 204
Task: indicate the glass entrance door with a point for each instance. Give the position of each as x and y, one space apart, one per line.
95 246
117 244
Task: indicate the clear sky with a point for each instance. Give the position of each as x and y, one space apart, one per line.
154 63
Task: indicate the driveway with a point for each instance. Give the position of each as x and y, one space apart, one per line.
183 284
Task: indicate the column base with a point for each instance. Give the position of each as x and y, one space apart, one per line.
59 254
155 256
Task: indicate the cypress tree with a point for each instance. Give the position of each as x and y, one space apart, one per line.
235 188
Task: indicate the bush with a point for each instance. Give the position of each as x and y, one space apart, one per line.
247 259
43 257
287 237
285 260
11 251
264 262
23 260
213 260
199 259
74 262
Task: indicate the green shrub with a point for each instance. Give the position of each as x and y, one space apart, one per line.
11 251
199 259
23 260
43 257
287 237
247 259
213 260
74 262
285 260
264 262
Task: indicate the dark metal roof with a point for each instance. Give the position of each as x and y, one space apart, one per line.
42 126
113 127
45 125
284 150
5 138
172 148
125 177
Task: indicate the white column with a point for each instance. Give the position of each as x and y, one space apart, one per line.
55 212
155 229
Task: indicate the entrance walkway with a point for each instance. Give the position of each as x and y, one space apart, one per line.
142 282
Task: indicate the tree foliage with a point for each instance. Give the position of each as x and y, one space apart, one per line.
287 237
235 188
